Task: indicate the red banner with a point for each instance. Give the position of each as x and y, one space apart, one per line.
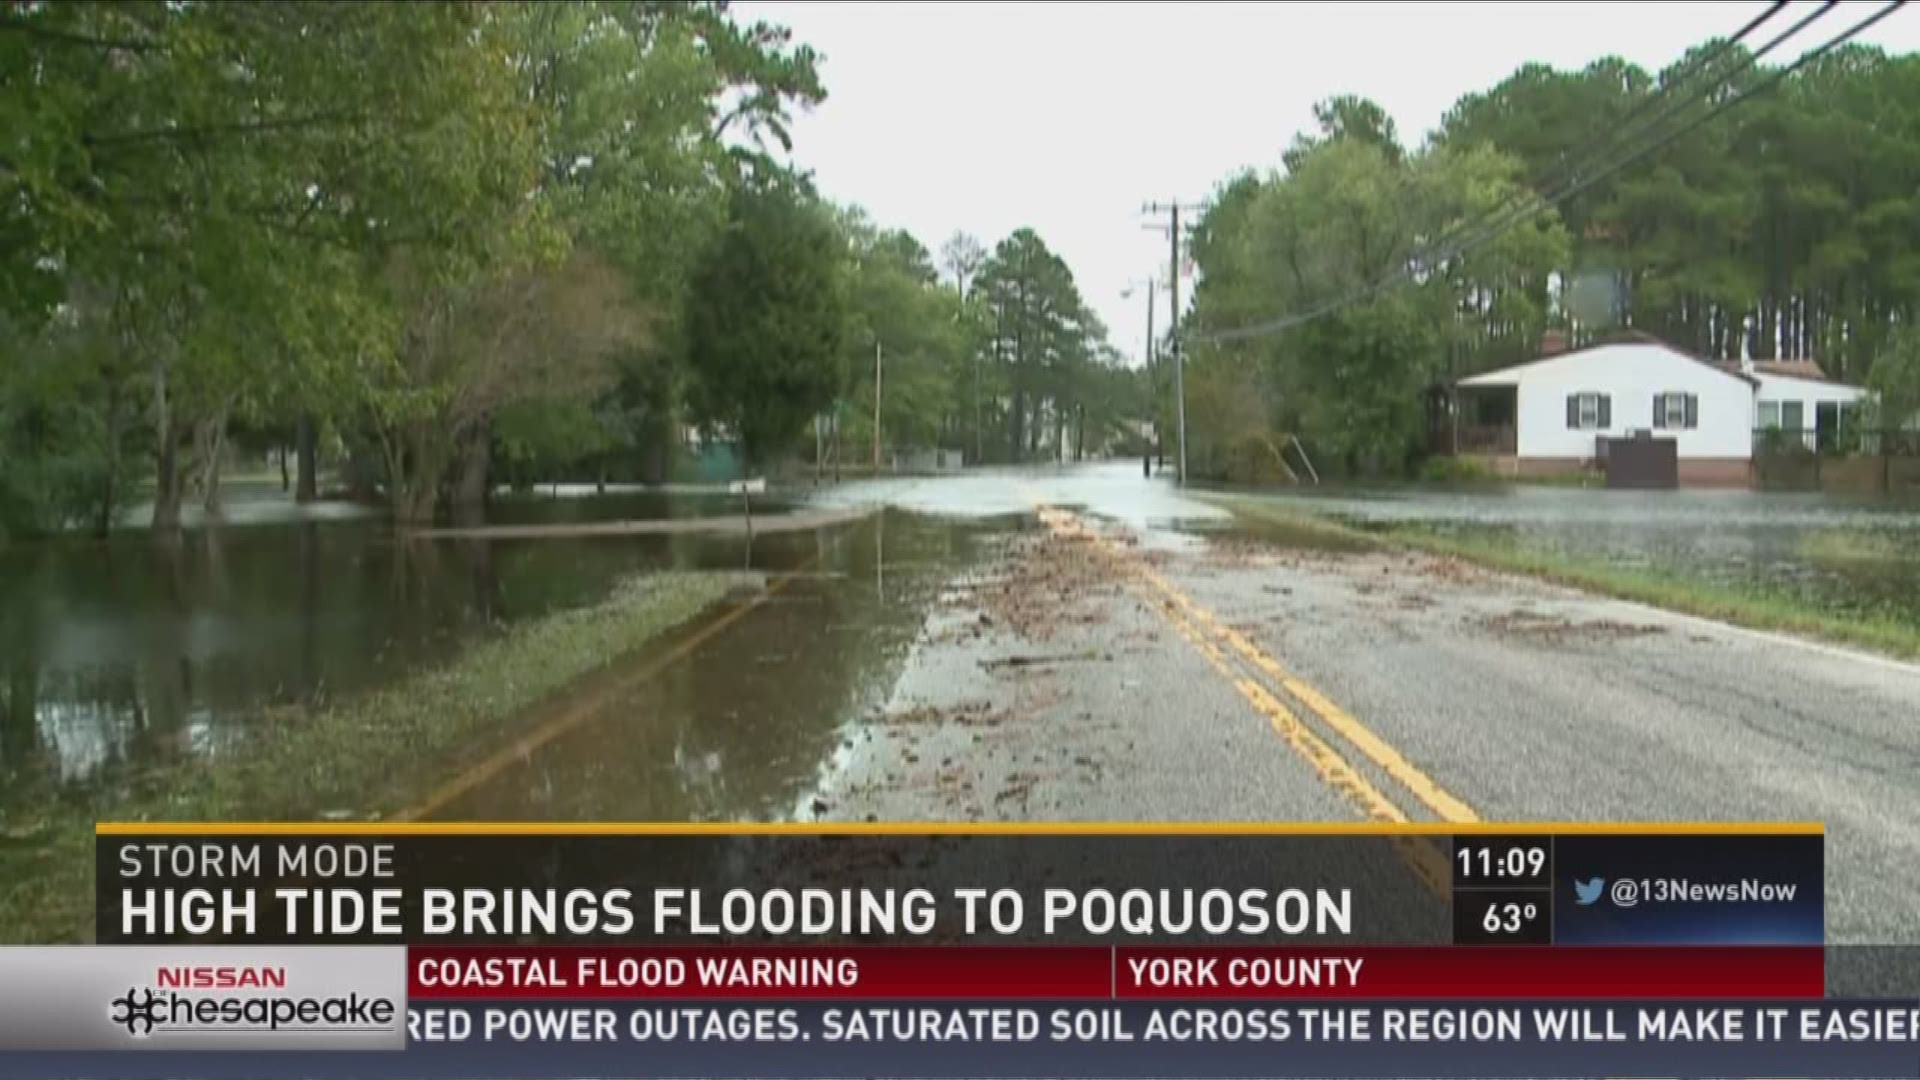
1521 971
884 972
776 972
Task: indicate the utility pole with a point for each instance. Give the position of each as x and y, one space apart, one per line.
1173 322
1153 377
1152 368
876 406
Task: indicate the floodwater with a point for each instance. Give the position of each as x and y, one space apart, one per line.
743 727
1847 554
119 655
122 655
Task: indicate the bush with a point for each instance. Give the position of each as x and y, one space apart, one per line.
1455 470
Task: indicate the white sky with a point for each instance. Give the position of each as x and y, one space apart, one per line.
1068 117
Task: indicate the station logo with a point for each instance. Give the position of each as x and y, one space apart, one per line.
202 998
140 1014
243 999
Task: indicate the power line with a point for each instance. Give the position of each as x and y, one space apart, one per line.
1498 223
1627 130
1507 221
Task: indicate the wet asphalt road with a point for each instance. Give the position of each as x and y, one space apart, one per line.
1086 644
1130 658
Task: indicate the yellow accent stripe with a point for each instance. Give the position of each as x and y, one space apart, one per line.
958 828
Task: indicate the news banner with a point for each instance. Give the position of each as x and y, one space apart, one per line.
477 951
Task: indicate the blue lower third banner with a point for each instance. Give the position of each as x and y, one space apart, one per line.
477 1040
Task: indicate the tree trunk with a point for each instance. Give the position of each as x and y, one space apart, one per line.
413 479
166 480
109 488
1016 440
209 441
470 489
306 487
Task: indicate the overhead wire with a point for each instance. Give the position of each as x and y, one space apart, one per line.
1628 128
1499 223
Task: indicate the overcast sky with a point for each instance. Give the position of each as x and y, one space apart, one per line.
1068 117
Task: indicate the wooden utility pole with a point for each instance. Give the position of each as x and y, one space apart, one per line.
1173 322
1153 377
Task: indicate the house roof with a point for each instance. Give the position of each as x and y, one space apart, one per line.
1510 376
1792 369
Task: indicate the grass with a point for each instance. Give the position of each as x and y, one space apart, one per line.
1446 469
1741 606
1293 527
1848 548
365 757
1570 478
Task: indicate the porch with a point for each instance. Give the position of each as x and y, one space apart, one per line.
1479 421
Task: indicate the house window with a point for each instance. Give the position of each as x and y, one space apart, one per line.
1676 411
1793 415
1589 411
1770 414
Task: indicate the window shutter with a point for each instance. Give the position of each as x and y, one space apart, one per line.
1606 411
1573 412
1693 411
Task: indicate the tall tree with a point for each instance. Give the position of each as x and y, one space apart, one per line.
1350 212
961 257
1041 340
767 317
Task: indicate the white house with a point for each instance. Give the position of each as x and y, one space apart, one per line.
1796 398
1550 415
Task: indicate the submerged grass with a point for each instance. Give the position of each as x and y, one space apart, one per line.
1849 547
358 758
1749 606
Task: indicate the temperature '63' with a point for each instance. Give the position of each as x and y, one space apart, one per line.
1501 917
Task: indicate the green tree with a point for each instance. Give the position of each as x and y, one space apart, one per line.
897 304
767 317
1896 379
1336 233
1041 338
281 206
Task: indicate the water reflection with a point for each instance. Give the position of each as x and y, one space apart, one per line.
120 655
740 729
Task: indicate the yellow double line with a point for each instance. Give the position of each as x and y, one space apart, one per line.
1217 643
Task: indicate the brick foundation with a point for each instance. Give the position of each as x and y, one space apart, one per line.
1694 472
1716 472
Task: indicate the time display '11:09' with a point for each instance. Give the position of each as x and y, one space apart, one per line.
1505 862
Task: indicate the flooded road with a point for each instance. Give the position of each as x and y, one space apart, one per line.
1141 660
1040 644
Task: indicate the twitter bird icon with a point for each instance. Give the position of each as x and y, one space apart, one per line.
1588 892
